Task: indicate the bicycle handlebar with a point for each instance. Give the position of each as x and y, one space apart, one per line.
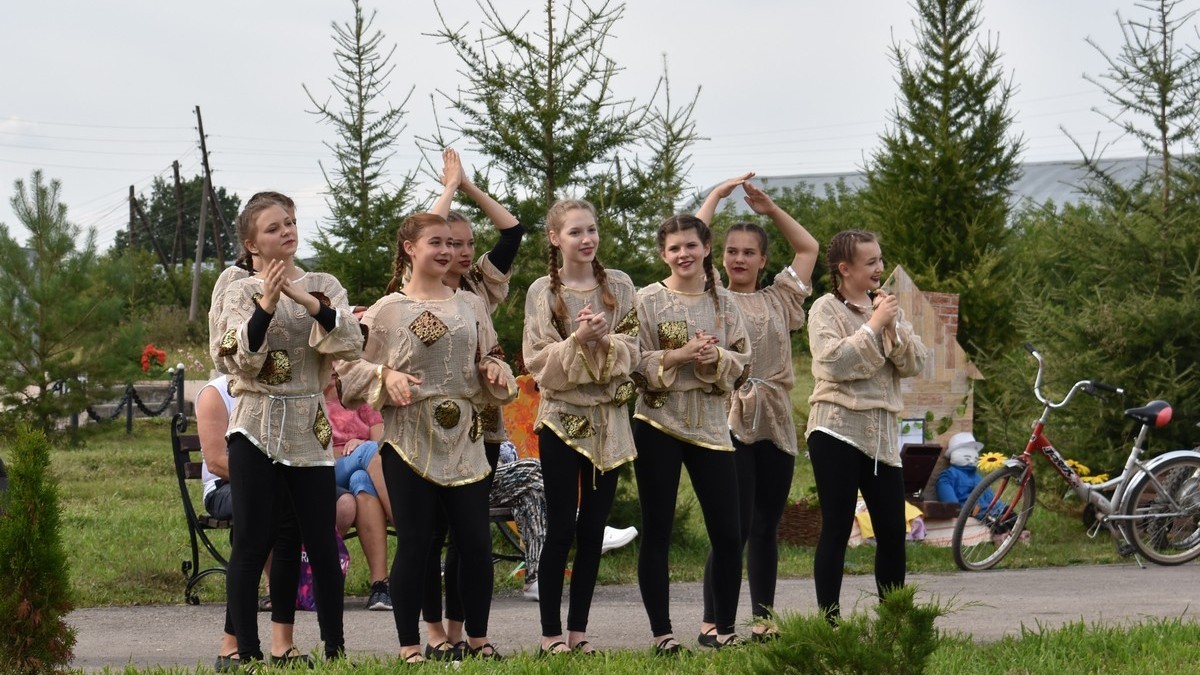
1086 386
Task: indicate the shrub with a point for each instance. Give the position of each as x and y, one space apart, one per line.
34 586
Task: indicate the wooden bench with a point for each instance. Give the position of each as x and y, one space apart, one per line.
188 460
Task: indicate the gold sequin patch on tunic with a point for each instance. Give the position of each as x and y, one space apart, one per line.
476 431
447 414
640 380
428 328
322 428
277 369
228 345
739 346
655 399
321 298
629 325
475 273
672 334
625 393
491 418
496 352
257 298
576 426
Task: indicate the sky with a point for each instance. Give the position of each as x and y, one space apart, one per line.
102 95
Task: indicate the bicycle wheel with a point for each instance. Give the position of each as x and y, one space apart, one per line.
1166 512
1002 502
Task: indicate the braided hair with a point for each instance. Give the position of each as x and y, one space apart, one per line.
682 223
841 249
555 219
409 230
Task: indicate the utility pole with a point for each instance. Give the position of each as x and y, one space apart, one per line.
132 219
177 245
162 257
210 193
193 309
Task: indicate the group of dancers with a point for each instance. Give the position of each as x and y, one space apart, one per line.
709 363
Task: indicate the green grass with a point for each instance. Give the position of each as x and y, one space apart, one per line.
124 531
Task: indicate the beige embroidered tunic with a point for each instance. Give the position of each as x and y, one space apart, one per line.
441 342
491 285
856 398
761 409
584 400
682 402
278 404
217 303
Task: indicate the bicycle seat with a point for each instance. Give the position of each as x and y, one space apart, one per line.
1155 413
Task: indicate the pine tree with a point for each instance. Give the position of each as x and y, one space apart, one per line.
938 188
59 325
541 106
34 581
1109 287
358 243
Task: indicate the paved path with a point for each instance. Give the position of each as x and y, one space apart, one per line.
181 635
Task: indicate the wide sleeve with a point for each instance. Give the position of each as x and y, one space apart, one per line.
733 359
345 341
489 281
231 353
556 363
488 351
651 374
390 348
907 353
790 294
836 355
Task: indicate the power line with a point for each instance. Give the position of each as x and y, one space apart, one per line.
94 126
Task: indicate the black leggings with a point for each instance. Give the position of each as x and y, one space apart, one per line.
713 474
431 607
764 481
257 484
415 503
841 471
571 480
285 564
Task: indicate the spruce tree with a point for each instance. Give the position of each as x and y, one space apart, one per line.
34 581
938 188
60 325
357 245
541 106
1109 286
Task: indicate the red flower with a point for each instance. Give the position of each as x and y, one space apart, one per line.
151 354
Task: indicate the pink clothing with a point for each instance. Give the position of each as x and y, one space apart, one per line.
348 424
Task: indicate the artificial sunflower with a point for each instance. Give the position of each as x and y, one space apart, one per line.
1094 480
1079 468
990 461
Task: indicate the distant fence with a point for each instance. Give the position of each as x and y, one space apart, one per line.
131 398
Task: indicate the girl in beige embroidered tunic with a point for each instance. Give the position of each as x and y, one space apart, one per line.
282 328
760 411
581 345
430 365
861 347
488 278
695 350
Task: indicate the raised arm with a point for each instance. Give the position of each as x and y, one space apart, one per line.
709 208
452 175
803 243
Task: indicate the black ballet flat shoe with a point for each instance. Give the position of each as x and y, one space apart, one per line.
731 642
709 638
553 649
666 648
585 648
442 651
484 651
293 659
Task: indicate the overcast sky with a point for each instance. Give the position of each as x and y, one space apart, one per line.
101 94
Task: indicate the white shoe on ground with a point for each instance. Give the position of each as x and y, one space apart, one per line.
614 538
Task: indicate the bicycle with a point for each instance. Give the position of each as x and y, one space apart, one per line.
1153 510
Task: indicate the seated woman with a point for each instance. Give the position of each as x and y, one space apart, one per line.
358 469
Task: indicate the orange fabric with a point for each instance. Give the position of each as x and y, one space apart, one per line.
521 415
